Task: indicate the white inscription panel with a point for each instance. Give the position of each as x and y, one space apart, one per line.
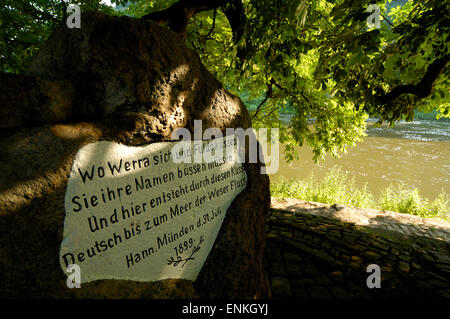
133 213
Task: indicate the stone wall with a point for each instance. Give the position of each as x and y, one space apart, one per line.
321 251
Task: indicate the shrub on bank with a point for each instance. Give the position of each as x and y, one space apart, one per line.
338 187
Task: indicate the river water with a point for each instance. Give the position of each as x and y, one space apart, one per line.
414 153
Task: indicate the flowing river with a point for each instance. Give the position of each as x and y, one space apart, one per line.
414 153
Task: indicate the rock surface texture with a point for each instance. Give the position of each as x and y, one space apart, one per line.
132 82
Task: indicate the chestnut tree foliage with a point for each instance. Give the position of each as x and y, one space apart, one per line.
319 58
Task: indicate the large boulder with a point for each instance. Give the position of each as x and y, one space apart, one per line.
132 82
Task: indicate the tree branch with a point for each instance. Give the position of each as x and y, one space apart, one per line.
270 113
234 11
387 20
423 89
213 25
268 95
178 15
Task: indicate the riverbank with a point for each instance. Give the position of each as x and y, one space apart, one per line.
342 188
413 153
379 162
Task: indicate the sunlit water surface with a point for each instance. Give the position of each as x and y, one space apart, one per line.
415 153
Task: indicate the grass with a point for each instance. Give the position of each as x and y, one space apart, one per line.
338 187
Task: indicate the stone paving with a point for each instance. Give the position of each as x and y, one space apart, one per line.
322 252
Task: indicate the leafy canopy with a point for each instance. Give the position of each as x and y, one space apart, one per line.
315 58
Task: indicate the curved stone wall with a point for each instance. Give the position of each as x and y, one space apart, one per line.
321 251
